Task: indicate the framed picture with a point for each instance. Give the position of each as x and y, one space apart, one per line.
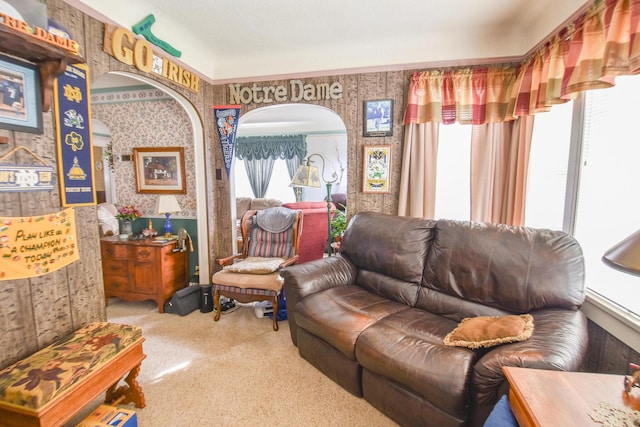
20 96
159 170
378 118
377 169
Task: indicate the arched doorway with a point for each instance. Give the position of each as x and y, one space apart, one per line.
120 78
324 132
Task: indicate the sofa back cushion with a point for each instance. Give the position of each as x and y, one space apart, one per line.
486 269
389 252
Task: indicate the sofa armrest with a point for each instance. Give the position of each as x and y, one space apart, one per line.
305 279
559 342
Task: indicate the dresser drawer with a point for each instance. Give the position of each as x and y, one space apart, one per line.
115 268
144 254
116 284
114 251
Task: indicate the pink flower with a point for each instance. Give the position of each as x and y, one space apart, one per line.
128 213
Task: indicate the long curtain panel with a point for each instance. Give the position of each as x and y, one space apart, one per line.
418 180
499 164
589 53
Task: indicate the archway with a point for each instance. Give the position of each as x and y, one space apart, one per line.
324 131
199 166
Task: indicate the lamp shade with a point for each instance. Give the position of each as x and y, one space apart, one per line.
306 176
167 204
625 256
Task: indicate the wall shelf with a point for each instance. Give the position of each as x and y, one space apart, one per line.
51 59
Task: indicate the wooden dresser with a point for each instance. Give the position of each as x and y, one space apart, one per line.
137 270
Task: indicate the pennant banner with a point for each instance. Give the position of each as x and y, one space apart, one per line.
36 245
73 124
227 122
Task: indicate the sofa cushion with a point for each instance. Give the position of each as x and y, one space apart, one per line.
488 331
510 269
264 203
107 220
243 204
406 347
338 315
389 246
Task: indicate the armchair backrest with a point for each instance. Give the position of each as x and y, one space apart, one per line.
273 232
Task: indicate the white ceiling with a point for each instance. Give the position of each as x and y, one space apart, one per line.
253 40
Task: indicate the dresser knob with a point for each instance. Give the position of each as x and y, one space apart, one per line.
144 253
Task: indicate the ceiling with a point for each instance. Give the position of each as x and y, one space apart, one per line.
255 40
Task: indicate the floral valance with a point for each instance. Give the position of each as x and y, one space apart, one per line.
271 147
599 45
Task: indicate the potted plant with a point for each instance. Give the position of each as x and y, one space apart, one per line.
338 226
126 215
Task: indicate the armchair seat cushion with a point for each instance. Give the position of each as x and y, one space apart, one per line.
255 265
226 280
339 315
407 348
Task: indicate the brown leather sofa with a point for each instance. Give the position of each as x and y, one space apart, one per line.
374 318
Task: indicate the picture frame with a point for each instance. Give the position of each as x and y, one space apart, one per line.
377 169
20 96
378 118
159 170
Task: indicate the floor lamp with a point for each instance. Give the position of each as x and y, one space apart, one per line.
309 176
625 256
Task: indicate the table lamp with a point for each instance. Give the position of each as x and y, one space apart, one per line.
625 256
167 204
309 176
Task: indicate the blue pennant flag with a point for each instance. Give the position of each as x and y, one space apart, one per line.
227 123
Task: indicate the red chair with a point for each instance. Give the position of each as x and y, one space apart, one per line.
313 241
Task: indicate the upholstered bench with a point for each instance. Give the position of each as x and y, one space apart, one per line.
50 386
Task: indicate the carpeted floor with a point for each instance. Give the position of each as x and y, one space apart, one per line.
235 372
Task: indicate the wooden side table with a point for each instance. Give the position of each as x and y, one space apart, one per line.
137 270
556 398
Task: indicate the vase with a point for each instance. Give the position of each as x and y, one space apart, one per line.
126 226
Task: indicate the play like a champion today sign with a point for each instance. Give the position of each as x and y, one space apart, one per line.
36 245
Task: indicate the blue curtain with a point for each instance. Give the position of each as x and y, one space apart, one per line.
260 152
259 174
271 147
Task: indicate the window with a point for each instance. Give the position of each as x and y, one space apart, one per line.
608 208
548 163
453 181
278 186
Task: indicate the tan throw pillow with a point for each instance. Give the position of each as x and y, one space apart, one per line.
255 265
487 331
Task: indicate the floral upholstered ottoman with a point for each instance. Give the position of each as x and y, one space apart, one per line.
50 386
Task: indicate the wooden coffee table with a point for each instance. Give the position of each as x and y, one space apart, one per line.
555 398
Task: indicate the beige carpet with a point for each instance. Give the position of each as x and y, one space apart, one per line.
235 372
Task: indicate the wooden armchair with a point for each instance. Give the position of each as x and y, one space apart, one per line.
270 241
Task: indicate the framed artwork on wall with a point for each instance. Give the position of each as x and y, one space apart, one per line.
159 170
20 96
377 169
378 118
